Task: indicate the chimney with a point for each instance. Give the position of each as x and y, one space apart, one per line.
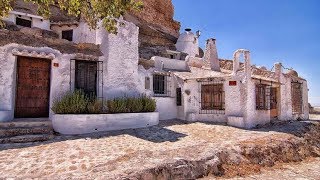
211 55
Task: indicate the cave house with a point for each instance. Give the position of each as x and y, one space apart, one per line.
41 59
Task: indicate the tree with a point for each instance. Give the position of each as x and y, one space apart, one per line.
93 11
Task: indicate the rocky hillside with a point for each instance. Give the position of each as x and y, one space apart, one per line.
158 29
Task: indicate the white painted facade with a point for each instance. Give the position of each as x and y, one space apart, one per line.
119 65
123 76
240 100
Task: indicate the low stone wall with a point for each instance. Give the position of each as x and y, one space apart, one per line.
73 124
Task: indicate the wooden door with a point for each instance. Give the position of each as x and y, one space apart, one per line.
33 87
273 103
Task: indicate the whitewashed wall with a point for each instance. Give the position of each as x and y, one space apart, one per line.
60 76
167 107
121 66
285 99
166 63
83 34
37 21
253 116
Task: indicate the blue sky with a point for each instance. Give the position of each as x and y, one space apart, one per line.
286 31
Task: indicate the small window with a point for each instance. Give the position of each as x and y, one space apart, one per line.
212 98
86 77
161 85
23 22
172 56
263 97
179 97
68 35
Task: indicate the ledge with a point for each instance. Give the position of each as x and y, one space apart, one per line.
75 124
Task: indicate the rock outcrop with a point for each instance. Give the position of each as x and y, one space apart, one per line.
158 30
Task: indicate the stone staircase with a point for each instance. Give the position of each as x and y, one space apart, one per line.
25 130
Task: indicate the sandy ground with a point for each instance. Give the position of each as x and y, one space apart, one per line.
105 156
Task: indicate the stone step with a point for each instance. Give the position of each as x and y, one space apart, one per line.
25 124
26 138
19 131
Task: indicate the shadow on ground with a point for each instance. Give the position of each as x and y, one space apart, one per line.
161 133
155 134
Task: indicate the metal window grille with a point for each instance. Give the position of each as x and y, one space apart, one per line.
296 96
263 100
161 85
87 76
179 97
212 97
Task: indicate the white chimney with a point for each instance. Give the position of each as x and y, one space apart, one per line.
211 55
188 43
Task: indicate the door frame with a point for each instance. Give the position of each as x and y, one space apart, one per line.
278 101
16 73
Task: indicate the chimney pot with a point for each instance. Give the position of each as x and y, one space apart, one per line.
188 29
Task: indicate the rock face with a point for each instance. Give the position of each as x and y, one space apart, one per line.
158 30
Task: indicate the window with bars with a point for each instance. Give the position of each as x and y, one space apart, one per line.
263 97
296 96
179 96
161 85
86 77
212 98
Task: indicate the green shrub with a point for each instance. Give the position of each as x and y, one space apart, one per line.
149 105
134 105
71 103
131 105
118 105
79 103
96 106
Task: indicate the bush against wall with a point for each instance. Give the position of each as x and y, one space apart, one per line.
78 102
131 105
72 103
